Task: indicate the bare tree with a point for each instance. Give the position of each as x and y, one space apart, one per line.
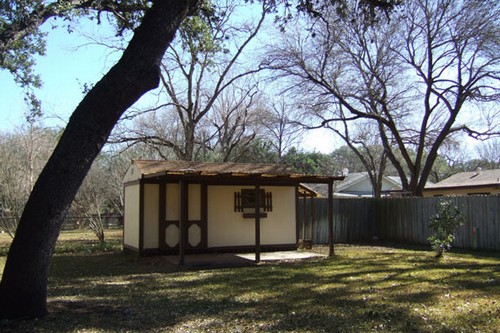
101 193
490 151
280 127
196 71
24 154
233 123
362 139
417 76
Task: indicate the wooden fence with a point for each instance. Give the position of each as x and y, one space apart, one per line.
70 223
401 220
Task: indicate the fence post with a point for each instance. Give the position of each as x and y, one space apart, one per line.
331 250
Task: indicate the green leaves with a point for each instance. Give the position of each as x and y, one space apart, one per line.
21 39
443 225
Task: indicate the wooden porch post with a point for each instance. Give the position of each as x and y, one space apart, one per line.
297 214
304 219
257 223
311 230
331 250
183 219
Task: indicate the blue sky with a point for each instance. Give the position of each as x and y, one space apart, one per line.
70 62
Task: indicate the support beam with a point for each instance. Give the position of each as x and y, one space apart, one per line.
297 214
304 219
257 223
183 220
331 250
311 229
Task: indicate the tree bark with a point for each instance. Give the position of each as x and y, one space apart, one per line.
23 289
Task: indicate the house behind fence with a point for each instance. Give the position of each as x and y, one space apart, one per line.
402 220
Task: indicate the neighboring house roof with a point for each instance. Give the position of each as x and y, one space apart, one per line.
206 170
479 178
358 184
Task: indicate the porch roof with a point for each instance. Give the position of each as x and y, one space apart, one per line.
151 169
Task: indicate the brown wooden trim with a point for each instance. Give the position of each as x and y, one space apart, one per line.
297 213
253 215
243 179
150 252
123 229
311 231
133 182
304 216
130 248
236 181
202 224
183 221
257 222
141 216
163 226
251 248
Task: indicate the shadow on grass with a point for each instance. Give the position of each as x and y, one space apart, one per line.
353 292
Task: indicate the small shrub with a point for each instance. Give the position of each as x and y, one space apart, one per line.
444 225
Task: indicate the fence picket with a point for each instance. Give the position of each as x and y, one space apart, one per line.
405 220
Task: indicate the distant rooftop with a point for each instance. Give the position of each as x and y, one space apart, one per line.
469 179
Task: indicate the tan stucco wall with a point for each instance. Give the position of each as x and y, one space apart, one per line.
194 207
173 205
462 191
172 202
229 228
131 217
151 215
282 227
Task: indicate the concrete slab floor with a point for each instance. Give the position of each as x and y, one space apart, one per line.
241 259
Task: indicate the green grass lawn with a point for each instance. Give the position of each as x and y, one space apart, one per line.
361 289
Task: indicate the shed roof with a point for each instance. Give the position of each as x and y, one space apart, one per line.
184 169
469 179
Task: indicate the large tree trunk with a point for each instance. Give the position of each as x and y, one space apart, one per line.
23 290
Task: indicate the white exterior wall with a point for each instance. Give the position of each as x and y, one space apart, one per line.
194 199
172 203
228 228
281 228
131 216
132 174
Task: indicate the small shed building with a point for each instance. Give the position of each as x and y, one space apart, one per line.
179 207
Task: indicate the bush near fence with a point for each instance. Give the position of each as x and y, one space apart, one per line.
402 220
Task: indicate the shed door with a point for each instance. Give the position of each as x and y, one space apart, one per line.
197 218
